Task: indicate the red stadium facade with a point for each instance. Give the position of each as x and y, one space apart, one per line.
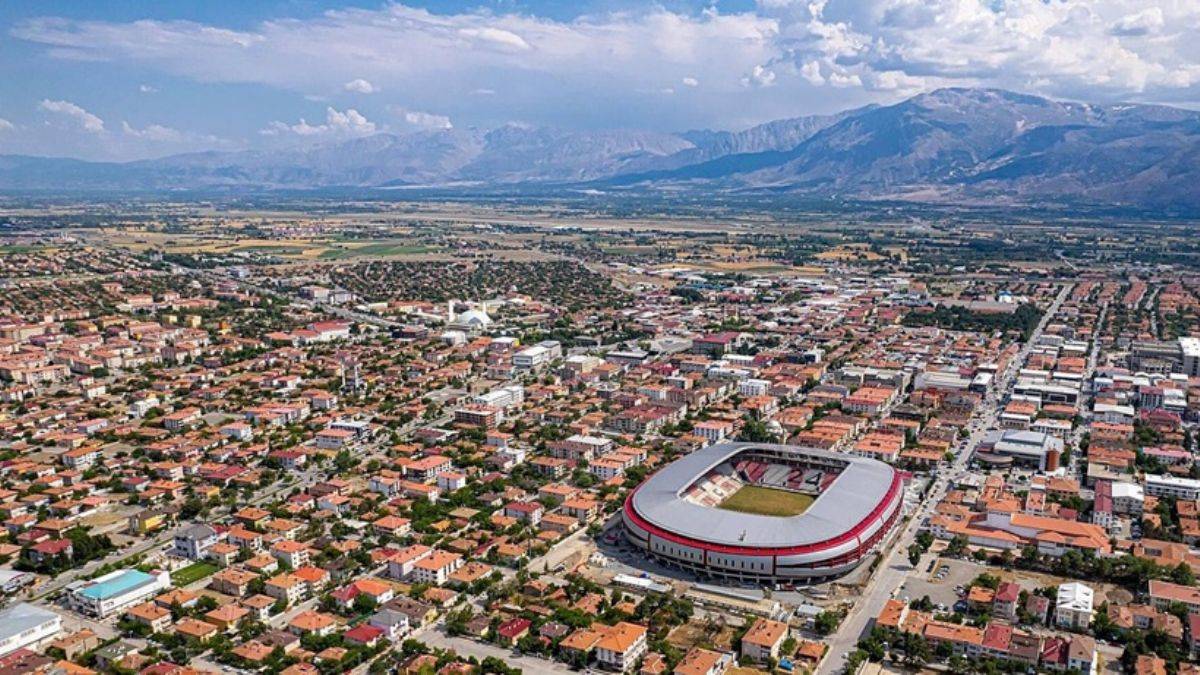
822 548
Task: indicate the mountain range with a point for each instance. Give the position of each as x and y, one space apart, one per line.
949 145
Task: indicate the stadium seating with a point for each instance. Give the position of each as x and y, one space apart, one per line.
724 480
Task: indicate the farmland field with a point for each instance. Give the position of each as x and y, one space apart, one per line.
378 249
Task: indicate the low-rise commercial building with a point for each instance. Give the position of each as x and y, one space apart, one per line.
110 594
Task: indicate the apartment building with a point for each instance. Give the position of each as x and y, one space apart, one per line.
1074 606
1164 593
763 640
436 567
193 542
621 646
1162 485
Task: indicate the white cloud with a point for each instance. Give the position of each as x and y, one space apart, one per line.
147 89
840 79
5 125
71 130
894 80
1145 22
337 123
415 119
360 86
153 132
497 38
782 58
1094 49
759 76
445 61
811 72
86 120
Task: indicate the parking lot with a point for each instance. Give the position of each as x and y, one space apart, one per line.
938 577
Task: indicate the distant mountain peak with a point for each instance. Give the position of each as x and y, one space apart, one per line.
955 143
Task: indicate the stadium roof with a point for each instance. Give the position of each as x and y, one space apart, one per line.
857 493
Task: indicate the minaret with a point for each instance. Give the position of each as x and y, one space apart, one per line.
449 311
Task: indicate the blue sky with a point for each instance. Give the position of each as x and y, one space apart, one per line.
136 79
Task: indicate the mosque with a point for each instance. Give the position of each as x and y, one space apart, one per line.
470 321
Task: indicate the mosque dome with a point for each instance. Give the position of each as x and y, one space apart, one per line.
473 317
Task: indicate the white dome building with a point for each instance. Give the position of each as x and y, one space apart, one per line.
473 320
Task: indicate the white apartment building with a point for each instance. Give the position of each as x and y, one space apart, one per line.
583 447
194 541
1158 485
502 397
286 587
1189 348
436 568
1074 606
537 356
713 431
401 565
752 387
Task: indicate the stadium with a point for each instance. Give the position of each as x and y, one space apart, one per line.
752 512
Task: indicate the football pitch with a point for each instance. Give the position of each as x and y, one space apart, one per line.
767 501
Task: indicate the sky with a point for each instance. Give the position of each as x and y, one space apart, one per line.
137 79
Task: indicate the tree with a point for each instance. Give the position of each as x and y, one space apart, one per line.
364 604
492 664
957 546
922 604
412 647
1183 575
854 660
914 554
1030 555
826 622
191 508
916 650
925 540
1102 626
987 581
756 431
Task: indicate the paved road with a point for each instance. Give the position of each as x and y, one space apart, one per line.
464 646
1085 401
894 567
